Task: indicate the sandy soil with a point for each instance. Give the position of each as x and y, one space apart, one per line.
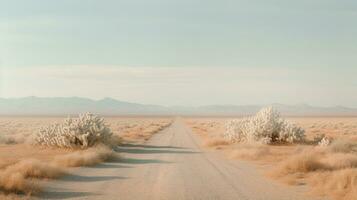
171 165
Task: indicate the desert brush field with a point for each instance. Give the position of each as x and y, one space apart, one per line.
90 157
33 149
319 153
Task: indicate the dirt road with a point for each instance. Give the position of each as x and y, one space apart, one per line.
171 165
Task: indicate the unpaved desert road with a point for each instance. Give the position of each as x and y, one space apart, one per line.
171 165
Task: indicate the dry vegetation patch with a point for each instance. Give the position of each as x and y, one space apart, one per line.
337 128
19 177
209 130
250 152
86 157
213 142
341 184
22 162
15 178
18 130
329 169
10 154
138 129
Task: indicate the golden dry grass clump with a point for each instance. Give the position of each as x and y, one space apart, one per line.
304 162
341 184
19 177
15 178
86 157
329 170
16 183
323 168
11 154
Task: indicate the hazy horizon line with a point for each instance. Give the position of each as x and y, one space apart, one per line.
202 105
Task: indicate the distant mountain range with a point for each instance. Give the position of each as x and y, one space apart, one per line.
113 107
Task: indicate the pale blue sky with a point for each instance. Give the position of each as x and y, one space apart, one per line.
182 51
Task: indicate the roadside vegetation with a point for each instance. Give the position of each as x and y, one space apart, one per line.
43 148
319 152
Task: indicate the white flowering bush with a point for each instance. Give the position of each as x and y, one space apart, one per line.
84 131
266 126
324 142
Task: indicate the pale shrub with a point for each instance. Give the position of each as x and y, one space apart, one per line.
85 131
324 142
266 126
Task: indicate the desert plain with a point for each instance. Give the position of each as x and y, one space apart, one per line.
180 158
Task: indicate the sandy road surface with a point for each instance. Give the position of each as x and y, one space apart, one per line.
171 165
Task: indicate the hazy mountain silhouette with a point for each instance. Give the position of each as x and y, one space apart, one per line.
110 106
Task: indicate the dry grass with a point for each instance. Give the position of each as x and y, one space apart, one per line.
304 162
16 183
18 130
214 142
10 154
337 128
21 163
6 196
343 146
14 178
250 152
328 170
134 129
18 177
86 157
341 184
208 130
34 169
